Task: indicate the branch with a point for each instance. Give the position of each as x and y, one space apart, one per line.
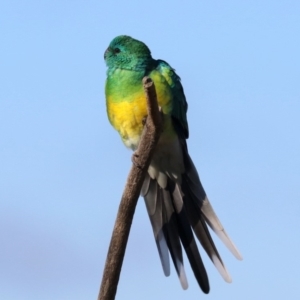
142 159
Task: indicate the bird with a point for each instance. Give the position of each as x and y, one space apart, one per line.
177 204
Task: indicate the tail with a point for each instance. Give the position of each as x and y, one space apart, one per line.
177 209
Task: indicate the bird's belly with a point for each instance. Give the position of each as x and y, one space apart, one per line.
127 117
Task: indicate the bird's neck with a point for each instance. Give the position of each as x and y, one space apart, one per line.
140 66
123 84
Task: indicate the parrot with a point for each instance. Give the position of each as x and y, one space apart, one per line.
176 202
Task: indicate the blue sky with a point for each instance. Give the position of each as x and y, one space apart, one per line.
63 167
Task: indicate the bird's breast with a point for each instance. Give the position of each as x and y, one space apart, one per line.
127 118
126 103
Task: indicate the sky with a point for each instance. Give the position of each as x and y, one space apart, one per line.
63 167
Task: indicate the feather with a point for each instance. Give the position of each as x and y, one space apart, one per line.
199 197
200 228
153 200
162 179
145 186
171 227
215 224
173 240
176 209
187 239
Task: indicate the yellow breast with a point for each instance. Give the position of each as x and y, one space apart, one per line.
126 111
127 118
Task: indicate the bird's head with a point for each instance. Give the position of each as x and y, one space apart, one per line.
124 52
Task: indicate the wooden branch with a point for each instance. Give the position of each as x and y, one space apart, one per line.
142 159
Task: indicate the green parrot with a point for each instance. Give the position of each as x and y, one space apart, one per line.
175 199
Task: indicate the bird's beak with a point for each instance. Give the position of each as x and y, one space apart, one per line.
105 53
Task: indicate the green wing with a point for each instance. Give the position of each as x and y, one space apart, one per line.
179 105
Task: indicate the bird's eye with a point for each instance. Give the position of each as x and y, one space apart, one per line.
117 50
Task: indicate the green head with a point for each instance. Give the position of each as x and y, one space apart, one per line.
124 52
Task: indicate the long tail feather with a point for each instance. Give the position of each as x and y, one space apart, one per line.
177 206
203 235
154 204
173 240
215 224
187 239
200 198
